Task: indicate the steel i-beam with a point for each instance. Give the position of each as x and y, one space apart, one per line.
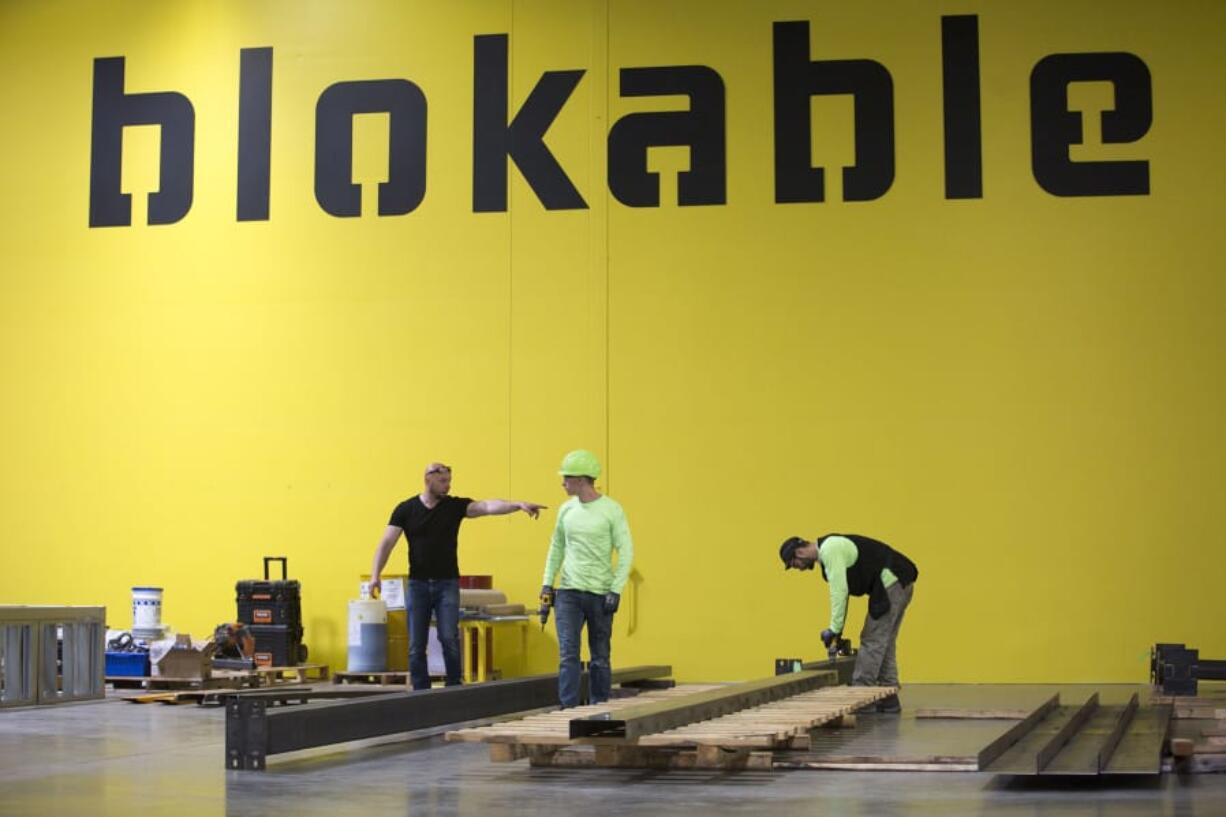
254 730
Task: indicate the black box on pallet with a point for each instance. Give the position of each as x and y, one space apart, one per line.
270 602
278 645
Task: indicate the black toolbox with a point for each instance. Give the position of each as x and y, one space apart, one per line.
277 645
270 602
272 611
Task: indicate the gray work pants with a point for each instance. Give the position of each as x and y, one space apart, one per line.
877 661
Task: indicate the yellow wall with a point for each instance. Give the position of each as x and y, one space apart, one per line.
1023 392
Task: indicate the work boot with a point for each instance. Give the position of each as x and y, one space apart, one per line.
889 705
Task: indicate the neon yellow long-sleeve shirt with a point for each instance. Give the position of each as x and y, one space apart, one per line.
585 537
838 553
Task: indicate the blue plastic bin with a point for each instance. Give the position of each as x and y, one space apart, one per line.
134 664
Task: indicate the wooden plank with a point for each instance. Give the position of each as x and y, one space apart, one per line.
506 752
975 714
1198 712
660 716
1201 764
773 723
876 763
877 767
992 752
1182 747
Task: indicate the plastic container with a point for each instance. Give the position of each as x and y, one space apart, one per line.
146 609
367 635
130 664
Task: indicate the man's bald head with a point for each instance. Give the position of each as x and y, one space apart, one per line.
438 479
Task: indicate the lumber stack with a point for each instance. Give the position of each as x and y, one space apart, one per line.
744 739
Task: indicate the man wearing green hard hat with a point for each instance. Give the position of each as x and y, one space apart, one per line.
591 528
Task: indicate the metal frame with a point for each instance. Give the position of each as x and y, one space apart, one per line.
1140 749
1052 748
52 654
843 665
254 730
1178 669
990 753
631 722
1117 732
1086 740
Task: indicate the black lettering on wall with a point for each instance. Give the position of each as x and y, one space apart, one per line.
796 80
702 128
114 109
406 177
254 132
963 125
524 139
1053 127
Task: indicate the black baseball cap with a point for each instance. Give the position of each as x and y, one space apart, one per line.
788 549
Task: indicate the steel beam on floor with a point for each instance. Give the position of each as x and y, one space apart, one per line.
1082 755
1140 749
629 723
1052 748
843 665
989 754
1031 754
254 730
1118 730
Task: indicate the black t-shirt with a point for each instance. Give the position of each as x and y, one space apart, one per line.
432 535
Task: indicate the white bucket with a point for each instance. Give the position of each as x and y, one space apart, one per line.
367 635
146 608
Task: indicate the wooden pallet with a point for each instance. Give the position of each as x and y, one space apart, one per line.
301 674
1192 707
741 740
380 678
227 679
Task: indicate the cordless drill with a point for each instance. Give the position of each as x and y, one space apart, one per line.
835 644
546 605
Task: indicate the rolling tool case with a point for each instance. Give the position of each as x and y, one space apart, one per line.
272 611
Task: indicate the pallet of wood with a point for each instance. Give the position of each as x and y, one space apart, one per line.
380 678
1195 708
226 679
747 739
300 674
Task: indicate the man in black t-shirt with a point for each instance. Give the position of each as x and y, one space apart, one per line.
430 522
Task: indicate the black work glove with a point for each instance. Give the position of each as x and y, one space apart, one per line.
611 601
829 637
547 595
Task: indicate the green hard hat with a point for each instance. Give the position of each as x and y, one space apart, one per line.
580 463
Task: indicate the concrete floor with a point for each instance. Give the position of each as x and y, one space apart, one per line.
116 758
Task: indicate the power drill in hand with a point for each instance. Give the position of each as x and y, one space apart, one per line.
546 605
835 644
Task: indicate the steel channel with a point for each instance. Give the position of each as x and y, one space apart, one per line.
989 754
631 722
1140 750
253 731
843 665
1117 732
1207 670
1053 746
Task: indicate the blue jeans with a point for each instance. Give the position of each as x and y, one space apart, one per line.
574 608
440 598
